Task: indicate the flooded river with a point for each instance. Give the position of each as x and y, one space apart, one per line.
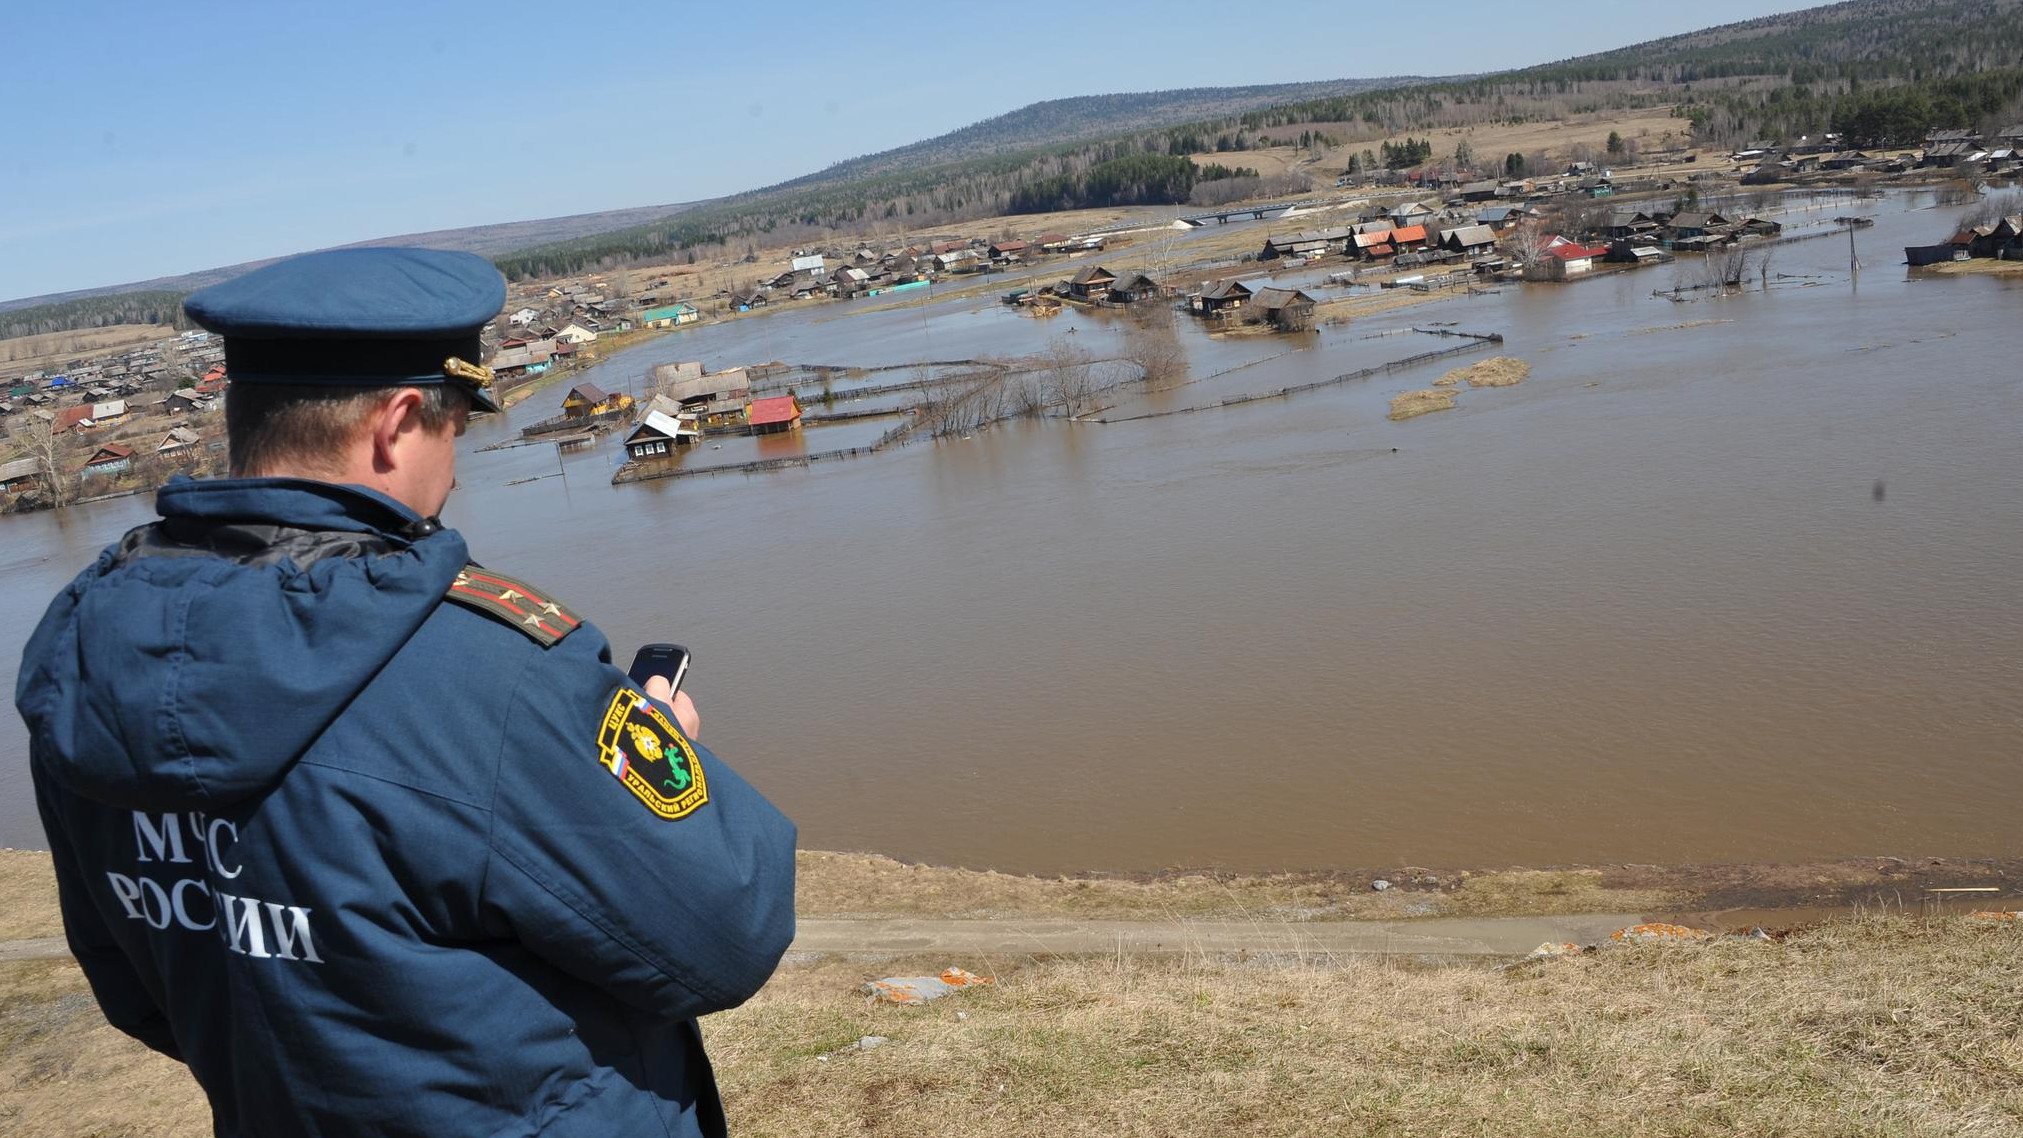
1725 580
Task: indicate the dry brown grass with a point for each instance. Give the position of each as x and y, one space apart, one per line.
1897 1027
64 1071
1496 371
1412 404
1887 1026
27 353
28 896
1978 266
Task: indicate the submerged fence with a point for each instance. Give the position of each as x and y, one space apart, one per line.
632 472
1476 341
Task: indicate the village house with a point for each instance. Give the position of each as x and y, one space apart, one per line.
1469 240
1564 259
178 439
1287 309
670 315
1629 224
575 334
1696 224
1006 251
1092 283
1633 251
1479 191
659 435
1411 213
19 475
715 399
91 416
1311 242
586 400
1135 288
1408 237
773 415
523 317
110 459
1374 245
1224 298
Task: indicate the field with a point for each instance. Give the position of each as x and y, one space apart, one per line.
30 353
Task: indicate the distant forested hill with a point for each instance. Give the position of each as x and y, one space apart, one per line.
1058 121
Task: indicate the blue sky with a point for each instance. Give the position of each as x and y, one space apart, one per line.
151 139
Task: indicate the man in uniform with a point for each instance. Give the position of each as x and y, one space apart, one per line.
376 840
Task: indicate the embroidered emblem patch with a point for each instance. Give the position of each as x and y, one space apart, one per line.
645 752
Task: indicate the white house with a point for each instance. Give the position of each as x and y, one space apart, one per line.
576 334
523 317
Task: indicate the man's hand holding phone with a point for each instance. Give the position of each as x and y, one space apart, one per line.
658 669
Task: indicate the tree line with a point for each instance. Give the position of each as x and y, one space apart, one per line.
158 306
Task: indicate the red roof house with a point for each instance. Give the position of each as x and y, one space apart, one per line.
112 458
70 417
778 413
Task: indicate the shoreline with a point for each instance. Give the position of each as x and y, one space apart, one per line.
842 885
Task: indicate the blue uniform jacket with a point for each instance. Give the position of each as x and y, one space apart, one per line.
373 863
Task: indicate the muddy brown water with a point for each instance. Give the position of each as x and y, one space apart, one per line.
1744 590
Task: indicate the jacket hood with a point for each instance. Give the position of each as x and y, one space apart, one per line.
193 678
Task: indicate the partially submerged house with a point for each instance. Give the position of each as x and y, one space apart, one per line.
1092 283
773 415
586 400
1287 309
1225 297
659 435
1134 288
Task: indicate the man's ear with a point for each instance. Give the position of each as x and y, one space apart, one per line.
394 418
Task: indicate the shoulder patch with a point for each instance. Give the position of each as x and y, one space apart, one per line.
645 752
513 602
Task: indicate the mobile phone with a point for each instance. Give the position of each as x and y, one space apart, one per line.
670 660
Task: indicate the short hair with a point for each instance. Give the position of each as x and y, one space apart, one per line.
307 426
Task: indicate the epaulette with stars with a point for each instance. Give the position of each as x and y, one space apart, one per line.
513 602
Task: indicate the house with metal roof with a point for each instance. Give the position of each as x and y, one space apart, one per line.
773 415
111 459
659 435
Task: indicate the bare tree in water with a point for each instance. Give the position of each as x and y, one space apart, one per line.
1069 376
1152 344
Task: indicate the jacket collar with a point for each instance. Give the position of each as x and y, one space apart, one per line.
299 502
